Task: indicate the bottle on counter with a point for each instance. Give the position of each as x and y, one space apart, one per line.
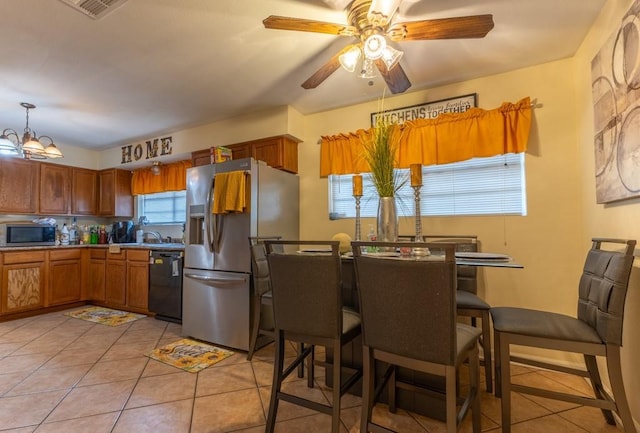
94 235
102 235
64 235
86 235
73 232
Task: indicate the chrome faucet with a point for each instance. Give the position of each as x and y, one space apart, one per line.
155 235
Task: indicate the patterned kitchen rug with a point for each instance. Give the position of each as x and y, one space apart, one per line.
189 355
104 316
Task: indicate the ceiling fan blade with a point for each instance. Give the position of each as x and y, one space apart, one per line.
474 26
396 79
327 69
304 25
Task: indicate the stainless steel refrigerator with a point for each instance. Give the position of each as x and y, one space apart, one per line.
217 265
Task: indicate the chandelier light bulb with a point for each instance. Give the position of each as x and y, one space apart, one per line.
374 46
391 57
349 60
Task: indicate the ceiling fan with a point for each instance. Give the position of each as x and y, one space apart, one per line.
370 21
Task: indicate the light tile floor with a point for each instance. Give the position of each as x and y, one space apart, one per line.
64 375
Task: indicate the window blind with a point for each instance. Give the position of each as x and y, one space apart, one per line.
479 186
164 207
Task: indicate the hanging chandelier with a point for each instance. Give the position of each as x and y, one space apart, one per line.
30 146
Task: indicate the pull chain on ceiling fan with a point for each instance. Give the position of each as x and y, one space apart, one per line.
371 21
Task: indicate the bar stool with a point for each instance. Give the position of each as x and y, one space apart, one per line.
597 331
307 306
408 310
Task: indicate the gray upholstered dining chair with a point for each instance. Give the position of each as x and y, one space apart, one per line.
261 304
408 312
597 331
307 307
468 302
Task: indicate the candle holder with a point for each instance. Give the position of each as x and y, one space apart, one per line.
358 197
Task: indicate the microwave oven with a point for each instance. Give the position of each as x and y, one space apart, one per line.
26 234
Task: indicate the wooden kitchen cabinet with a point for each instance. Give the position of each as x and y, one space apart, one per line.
55 189
23 281
19 184
96 279
138 279
241 150
84 194
116 278
65 276
201 157
278 152
114 193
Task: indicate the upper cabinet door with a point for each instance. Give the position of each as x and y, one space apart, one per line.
19 184
55 189
114 198
83 191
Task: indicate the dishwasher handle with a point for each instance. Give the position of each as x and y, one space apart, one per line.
216 280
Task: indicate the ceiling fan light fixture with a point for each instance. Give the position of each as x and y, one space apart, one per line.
381 11
350 59
391 57
374 46
368 69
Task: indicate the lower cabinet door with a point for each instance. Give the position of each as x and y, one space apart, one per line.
22 286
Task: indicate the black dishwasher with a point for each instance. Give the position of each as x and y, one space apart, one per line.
165 285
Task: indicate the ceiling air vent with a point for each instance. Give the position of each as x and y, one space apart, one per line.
96 9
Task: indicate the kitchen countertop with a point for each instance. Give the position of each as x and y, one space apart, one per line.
144 245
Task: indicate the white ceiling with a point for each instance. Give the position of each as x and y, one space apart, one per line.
156 66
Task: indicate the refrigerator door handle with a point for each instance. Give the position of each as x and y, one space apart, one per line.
216 280
208 217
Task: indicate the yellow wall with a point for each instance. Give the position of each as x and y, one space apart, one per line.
618 220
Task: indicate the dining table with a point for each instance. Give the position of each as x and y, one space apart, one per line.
352 353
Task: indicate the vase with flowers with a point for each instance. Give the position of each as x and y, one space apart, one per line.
379 152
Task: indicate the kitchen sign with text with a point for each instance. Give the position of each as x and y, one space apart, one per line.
149 150
428 110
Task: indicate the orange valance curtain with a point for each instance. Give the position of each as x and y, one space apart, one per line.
172 177
450 137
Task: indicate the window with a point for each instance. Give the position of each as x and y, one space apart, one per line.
479 186
164 207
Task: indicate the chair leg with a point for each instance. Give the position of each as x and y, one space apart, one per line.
496 351
301 366
391 389
505 380
278 366
614 368
474 379
368 388
451 397
257 305
311 367
486 350
337 385
596 384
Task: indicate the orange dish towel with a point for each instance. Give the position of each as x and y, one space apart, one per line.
229 192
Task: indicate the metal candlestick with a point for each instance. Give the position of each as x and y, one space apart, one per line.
416 196
357 197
